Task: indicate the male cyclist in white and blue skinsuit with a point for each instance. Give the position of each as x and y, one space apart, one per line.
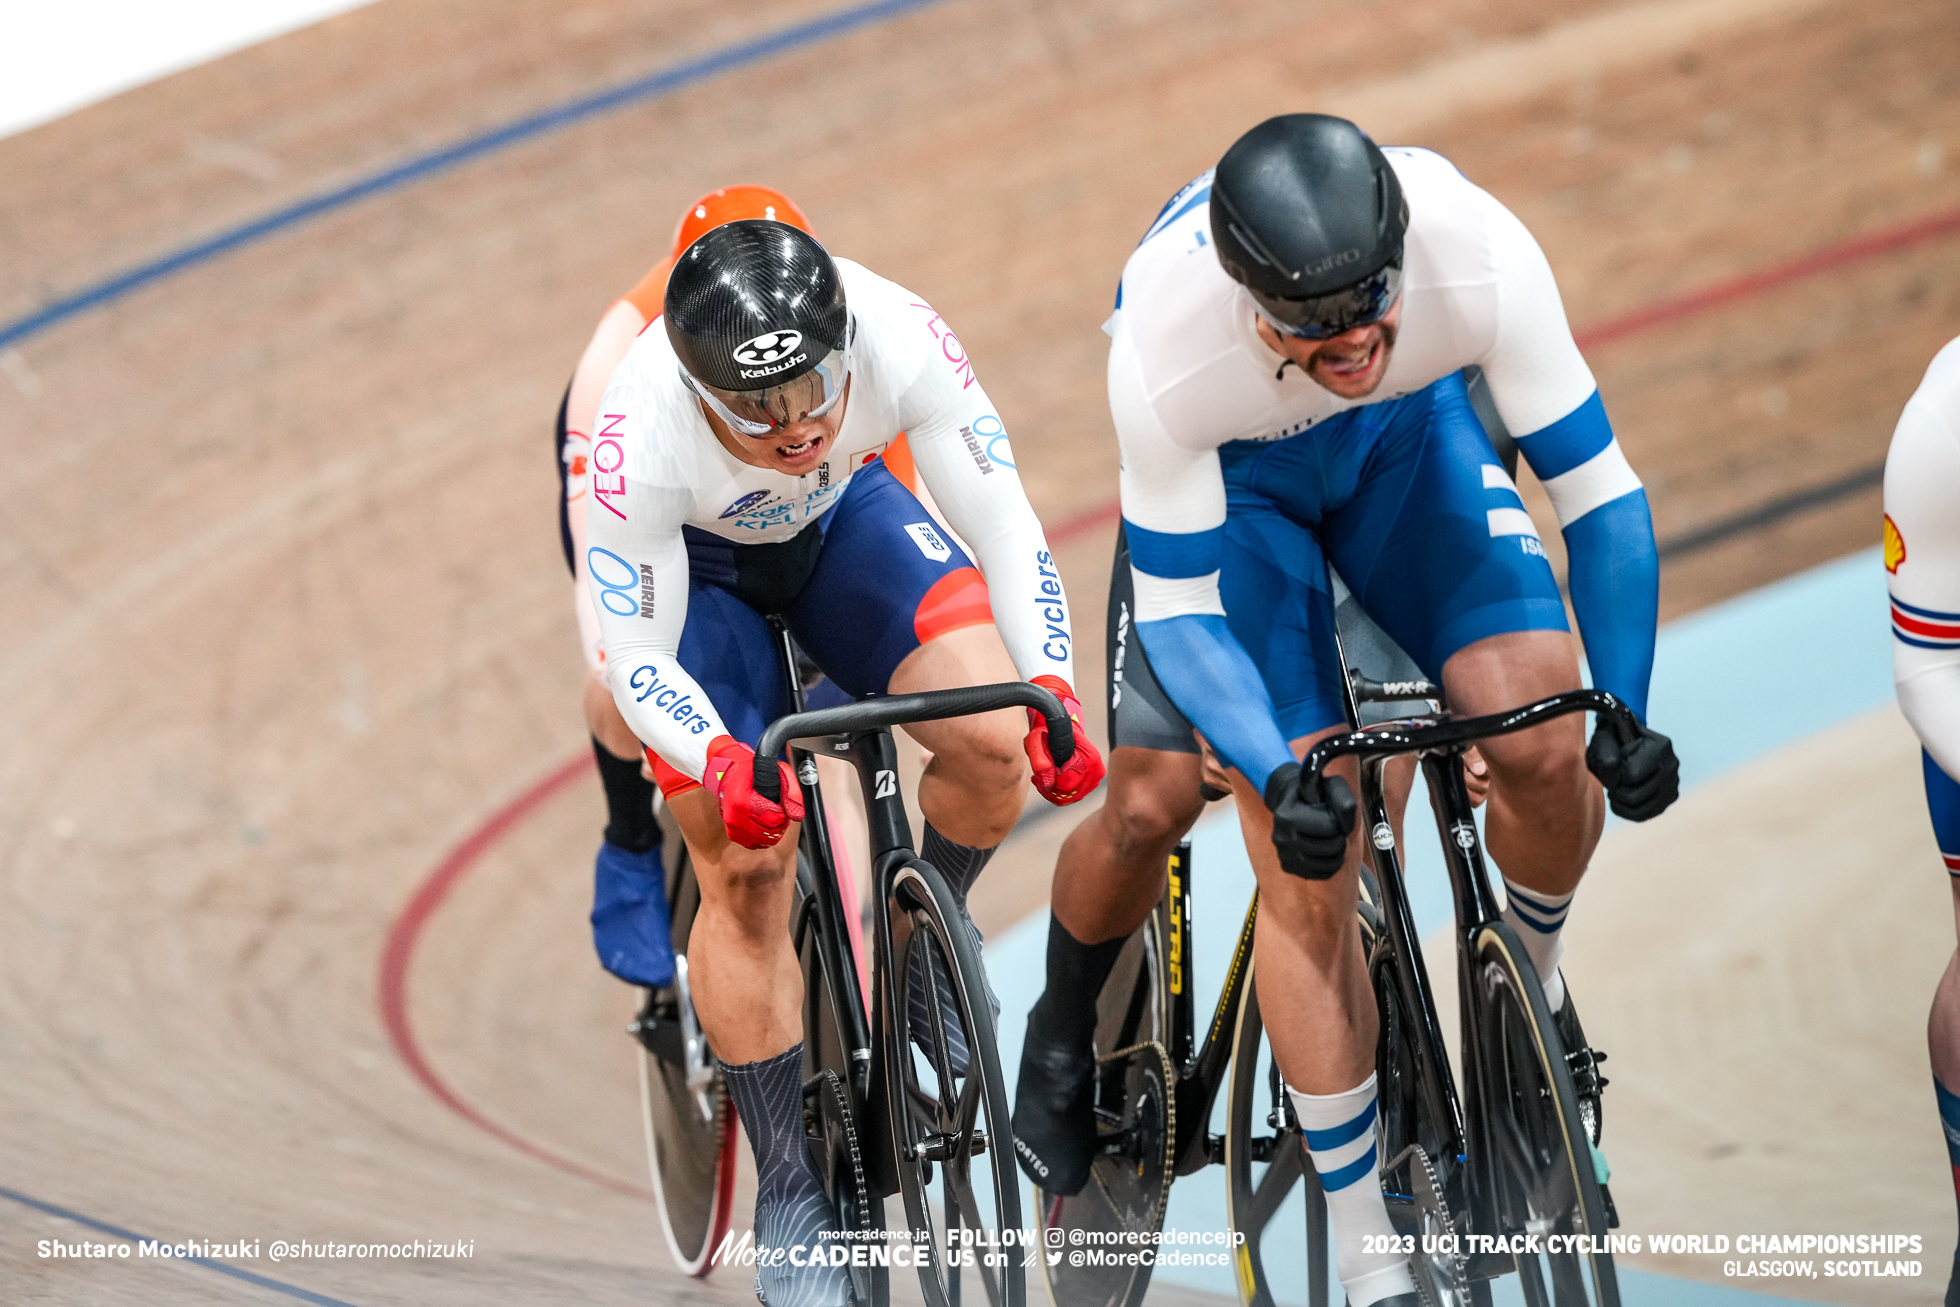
1284 379
1922 565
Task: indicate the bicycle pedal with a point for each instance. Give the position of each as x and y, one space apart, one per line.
1584 1066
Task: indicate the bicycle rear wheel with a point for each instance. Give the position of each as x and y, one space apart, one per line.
690 1124
950 1124
1540 1155
1130 1181
1264 1168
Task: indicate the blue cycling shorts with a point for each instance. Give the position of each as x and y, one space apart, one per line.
885 580
1398 496
1943 800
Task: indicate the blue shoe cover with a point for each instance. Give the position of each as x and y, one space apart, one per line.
629 916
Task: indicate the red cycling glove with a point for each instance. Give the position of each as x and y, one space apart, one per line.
751 819
1080 775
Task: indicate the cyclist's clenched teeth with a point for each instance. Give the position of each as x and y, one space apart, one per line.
1351 362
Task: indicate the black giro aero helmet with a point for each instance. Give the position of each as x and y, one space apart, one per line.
1307 214
756 314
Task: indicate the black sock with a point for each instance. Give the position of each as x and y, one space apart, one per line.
1066 1010
960 864
629 802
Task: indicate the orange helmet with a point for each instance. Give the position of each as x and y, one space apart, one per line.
733 204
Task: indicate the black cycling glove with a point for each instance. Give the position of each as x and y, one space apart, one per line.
1637 766
1310 825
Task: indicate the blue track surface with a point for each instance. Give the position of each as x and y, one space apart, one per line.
1731 684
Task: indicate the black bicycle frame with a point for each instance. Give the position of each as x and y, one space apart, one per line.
1440 743
1200 1073
861 731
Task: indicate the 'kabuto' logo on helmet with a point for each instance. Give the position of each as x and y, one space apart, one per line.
767 348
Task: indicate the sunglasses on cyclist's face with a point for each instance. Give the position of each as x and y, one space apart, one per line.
1323 317
759 414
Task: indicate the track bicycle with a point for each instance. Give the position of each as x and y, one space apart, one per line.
887 1110
1154 1091
1514 1156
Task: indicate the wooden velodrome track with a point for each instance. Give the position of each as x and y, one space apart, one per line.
283 617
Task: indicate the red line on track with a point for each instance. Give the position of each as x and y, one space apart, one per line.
1775 276
400 950
428 897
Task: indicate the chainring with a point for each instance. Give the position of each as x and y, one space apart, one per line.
1442 1271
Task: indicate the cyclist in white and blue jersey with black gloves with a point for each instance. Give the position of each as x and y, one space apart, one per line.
1285 379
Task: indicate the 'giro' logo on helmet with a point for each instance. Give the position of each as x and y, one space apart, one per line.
1329 263
767 348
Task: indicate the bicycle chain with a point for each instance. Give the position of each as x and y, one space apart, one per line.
841 1104
1429 1197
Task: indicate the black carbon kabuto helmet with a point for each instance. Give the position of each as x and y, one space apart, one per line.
756 314
1307 214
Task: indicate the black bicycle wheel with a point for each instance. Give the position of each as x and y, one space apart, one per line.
1265 1161
832 1110
1129 1185
690 1125
950 1123
1130 1180
1542 1161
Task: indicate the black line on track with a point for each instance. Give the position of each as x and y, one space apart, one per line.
1769 514
129 1236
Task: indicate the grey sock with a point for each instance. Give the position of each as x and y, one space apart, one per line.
960 864
791 1209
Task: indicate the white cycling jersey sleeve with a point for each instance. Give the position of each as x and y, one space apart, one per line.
637 569
1534 367
610 341
964 457
1922 558
1166 487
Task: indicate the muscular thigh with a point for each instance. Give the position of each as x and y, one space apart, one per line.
1434 539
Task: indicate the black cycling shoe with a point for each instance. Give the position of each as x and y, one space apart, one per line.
1397 1300
1587 1082
1055 1113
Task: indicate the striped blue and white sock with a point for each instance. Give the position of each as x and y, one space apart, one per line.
1538 918
1340 1133
1950 1124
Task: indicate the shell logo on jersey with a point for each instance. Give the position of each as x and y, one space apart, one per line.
1895 545
769 347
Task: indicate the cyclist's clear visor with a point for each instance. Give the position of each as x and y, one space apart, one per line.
764 412
1323 317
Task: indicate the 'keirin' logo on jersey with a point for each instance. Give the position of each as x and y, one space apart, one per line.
767 348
